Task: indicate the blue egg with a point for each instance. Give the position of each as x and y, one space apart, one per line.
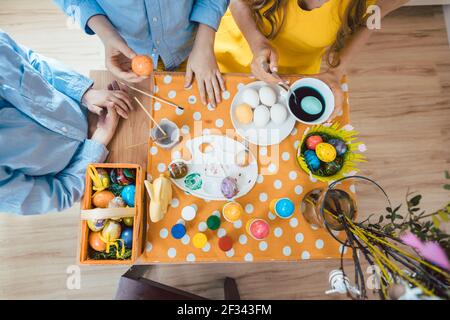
127 237
285 208
311 105
128 194
311 160
178 231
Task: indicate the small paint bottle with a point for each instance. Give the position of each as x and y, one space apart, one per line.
257 228
282 207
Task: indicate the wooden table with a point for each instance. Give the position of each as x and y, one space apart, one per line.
130 144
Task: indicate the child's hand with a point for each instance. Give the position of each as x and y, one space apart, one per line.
97 100
333 77
265 63
106 126
202 62
118 59
117 53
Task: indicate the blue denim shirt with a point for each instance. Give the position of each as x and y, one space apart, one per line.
44 150
158 28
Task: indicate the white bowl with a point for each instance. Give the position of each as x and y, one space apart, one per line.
320 87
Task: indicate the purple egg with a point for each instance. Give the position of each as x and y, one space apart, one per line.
229 187
339 145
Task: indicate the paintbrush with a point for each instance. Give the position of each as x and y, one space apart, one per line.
152 96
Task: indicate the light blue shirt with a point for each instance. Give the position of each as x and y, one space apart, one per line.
44 150
158 28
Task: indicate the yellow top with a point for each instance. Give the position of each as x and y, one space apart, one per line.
300 43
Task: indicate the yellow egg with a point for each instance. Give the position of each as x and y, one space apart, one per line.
325 152
244 113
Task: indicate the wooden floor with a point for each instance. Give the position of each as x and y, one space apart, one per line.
400 97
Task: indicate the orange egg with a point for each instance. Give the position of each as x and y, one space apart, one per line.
142 65
102 198
96 242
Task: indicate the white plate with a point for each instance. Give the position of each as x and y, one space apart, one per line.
217 164
271 134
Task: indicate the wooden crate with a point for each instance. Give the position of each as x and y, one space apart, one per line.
138 226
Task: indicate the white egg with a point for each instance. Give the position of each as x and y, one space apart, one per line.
278 113
261 116
251 97
267 96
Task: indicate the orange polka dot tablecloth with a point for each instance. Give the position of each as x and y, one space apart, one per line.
279 176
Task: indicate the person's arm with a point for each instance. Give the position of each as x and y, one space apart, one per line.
91 17
23 194
263 53
81 11
34 75
202 61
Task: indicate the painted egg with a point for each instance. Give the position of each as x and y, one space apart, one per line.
193 181
251 97
267 96
232 211
142 65
128 221
117 202
261 116
244 113
178 169
104 178
116 189
128 195
325 152
331 168
311 105
339 145
127 237
278 113
95 242
312 160
96 225
229 187
111 231
313 141
123 176
101 199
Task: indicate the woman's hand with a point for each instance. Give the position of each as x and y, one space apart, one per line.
332 77
202 63
116 98
265 63
118 54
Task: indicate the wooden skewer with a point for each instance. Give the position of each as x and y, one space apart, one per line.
152 96
150 116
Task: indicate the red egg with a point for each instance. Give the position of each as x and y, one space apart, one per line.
313 141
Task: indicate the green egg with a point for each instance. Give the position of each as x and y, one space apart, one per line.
311 105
